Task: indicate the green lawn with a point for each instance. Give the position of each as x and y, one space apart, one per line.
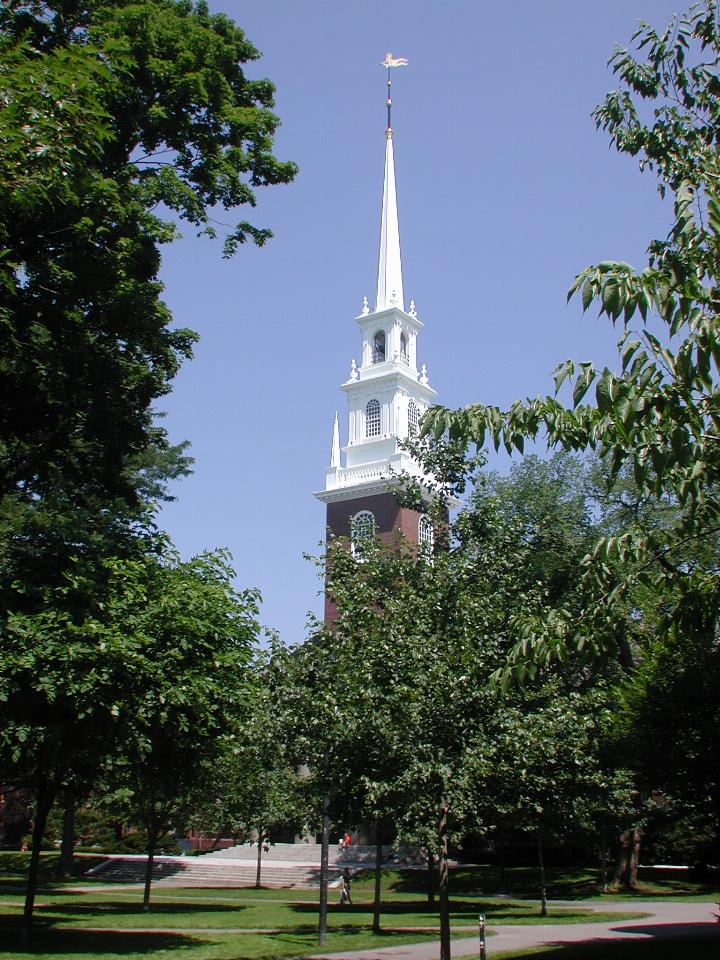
702 948
568 883
205 924
213 909
575 883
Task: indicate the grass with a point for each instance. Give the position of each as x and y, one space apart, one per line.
204 924
569 883
576 883
212 909
700 948
49 944
14 868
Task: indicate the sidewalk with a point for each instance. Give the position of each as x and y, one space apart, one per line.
667 919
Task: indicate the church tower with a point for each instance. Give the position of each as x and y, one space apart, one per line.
386 394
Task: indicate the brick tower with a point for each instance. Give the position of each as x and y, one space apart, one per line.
387 395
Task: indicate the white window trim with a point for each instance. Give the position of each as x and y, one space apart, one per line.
426 537
413 425
367 518
376 420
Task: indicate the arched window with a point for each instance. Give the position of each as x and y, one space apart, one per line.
362 530
379 347
372 419
404 355
413 419
426 537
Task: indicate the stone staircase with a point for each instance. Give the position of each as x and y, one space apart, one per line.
284 865
356 855
211 871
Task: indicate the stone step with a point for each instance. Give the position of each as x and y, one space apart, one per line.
204 871
310 853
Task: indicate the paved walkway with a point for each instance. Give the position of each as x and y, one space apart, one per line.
668 919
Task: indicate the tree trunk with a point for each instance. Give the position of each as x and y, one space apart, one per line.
45 799
603 857
501 861
541 866
67 848
378 880
152 845
258 873
325 843
443 884
431 878
628 859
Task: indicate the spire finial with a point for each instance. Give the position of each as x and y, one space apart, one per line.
388 62
335 448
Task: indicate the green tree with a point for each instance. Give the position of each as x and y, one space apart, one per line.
385 704
336 707
154 676
556 510
128 106
659 415
551 506
539 769
666 725
251 791
196 689
112 112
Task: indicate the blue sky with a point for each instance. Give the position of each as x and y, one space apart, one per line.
505 192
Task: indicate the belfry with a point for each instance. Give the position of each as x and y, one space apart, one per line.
386 394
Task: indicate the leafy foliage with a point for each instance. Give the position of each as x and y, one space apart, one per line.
117 119
658 417
131 693
113 110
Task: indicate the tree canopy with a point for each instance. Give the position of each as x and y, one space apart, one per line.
658 416
115 112
119 120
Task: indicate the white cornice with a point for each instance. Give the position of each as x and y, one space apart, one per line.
380 316
397 377
357 490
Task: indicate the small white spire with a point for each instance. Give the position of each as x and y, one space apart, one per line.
389 284
365 307
424 375
413 309
335 450
353 370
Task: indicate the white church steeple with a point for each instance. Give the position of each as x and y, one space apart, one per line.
389 280
387 394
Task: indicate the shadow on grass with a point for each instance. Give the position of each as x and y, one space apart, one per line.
115 908
519 881
459 909
691 944
14 865
563 883
56 943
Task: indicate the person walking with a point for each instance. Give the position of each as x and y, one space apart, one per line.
345 888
